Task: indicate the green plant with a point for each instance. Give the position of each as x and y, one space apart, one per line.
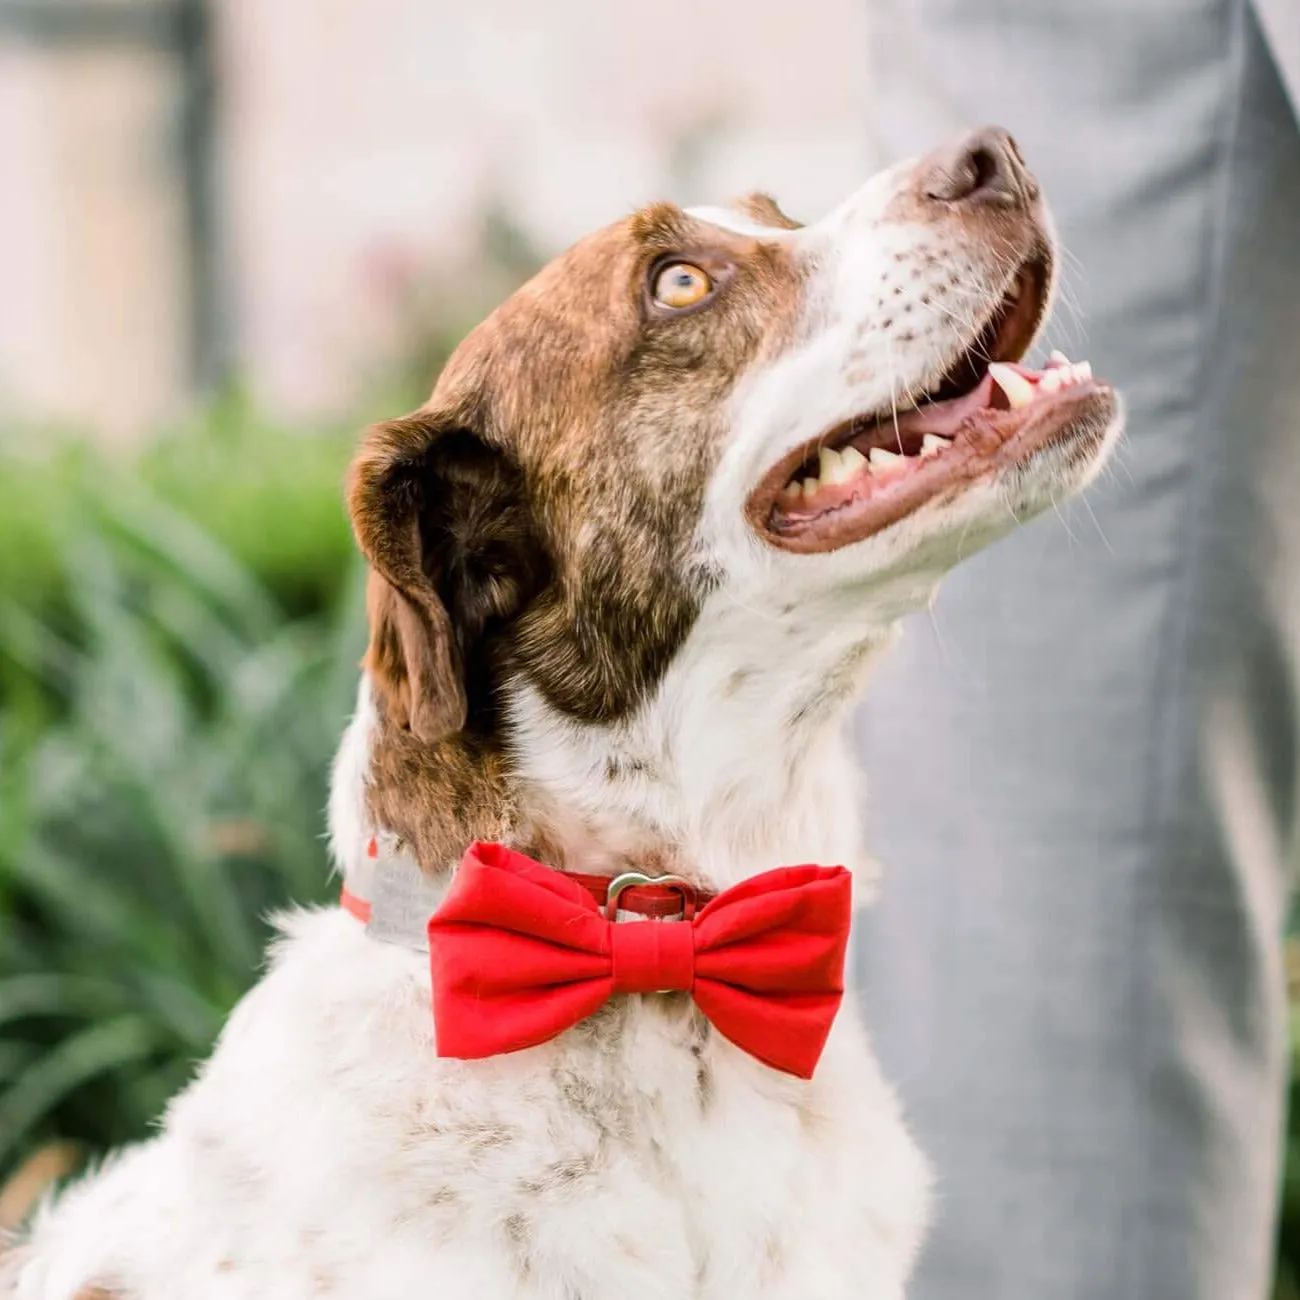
178 640
268 494
1287 1283
268 497
171 797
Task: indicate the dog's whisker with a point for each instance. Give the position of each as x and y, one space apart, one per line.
1065 523
1101 532
893 395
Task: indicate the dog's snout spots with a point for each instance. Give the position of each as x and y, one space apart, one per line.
983 169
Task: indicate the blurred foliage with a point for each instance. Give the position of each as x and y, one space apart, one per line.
178 640
179 634
269 499
1288 1252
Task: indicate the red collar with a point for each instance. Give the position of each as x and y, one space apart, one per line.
634 891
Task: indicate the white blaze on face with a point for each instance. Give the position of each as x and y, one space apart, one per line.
741 223
862 346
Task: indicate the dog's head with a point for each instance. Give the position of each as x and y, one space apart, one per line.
692 413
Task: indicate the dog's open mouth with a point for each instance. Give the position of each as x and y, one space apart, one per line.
987 412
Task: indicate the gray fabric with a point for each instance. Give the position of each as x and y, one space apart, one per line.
1083 763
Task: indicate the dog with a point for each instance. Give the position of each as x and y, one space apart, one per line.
628 569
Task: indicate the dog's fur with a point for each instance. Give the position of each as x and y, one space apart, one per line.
582 646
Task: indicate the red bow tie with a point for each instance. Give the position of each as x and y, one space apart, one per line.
521 952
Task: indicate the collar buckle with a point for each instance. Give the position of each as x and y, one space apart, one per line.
639 879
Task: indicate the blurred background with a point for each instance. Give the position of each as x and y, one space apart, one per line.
230 235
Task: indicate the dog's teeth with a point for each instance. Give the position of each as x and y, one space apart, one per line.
1051 380
831 466
810 486
853 460
1019 391
1060 358
792 492
932 444
883 459
1083 369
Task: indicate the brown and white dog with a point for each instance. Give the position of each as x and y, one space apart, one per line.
629 566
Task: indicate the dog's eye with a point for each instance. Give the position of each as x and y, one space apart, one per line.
679 284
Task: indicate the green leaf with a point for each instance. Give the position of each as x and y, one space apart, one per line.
39 1088
55 995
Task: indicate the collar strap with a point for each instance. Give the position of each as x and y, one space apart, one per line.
359 907
656 898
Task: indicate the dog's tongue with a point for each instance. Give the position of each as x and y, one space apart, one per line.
945 418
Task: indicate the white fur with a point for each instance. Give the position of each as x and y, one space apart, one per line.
737 222
325 1150
350 827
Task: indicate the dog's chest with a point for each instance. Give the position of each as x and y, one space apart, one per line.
327 1151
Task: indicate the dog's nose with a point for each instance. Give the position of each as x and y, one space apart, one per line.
983 169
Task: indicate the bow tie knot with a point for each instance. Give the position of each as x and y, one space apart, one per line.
652 956
520 953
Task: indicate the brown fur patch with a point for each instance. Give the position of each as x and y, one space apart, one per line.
763 208
534 522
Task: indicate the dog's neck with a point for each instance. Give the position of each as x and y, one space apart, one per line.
737 763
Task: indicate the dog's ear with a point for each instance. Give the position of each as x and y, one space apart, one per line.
444 522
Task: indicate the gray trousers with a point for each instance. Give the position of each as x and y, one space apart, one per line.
1083 761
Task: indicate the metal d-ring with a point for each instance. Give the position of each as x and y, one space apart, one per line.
631 879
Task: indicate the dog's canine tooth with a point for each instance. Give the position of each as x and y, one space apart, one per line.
932 444
883 459
1019 391
1083 369
1059 357
1051 380
854 459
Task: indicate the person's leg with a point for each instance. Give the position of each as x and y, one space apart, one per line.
1083 764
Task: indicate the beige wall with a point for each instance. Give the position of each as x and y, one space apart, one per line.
365 135
93 295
